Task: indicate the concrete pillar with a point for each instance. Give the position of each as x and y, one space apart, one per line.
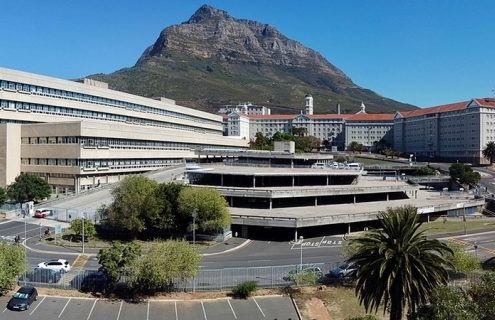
244 231
254 181
295 235
231 201
354 199
292 163
221 180
271 203
388 196
348 228
316 201
293 181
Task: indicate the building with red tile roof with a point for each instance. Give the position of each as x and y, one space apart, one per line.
456 132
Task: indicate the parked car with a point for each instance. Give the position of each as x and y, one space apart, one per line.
42 213
41 275
22 299
343 271
59 265
308 273
93 281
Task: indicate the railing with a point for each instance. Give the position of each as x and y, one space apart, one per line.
206 280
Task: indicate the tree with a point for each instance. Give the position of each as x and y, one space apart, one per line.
482 293
3 195
165 262
446 303
12 264
306 143
260 142
119 259
464 174
209 205
89 228
169 220
28 187
489 151
397 266
135 206
354 146
426 171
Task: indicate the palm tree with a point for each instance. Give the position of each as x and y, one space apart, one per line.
397 266
489 151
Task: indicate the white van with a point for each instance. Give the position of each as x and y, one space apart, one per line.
318 165
354 165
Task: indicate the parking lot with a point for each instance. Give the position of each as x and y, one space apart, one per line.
47 307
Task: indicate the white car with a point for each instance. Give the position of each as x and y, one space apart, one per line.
59 265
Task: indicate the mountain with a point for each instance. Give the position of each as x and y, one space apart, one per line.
214 59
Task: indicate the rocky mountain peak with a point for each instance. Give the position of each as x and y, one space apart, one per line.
206 12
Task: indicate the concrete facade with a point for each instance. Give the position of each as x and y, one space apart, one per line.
80 134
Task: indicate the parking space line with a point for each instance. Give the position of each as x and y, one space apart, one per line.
37 305
120 309
148 311
176 313
63 309
231 308
204 311
264 316
92 308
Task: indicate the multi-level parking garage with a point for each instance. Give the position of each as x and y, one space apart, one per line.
283 200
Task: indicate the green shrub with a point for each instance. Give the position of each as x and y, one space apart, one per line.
244 289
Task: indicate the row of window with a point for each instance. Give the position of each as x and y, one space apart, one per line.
22 87
40 108
100 163
115 143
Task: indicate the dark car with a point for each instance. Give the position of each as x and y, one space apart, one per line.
41 275
22 299
343 271
95 281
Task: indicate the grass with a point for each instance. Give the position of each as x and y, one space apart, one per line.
457 225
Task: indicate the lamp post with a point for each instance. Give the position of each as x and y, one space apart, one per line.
194 214
83 216
301 240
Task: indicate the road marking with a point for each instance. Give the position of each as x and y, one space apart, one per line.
37 305
148 311
120 309
63 309
204 311
235 316
176 313
91 311
259 307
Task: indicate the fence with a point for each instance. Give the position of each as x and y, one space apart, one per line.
206 280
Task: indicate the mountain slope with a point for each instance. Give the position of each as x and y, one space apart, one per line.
214 59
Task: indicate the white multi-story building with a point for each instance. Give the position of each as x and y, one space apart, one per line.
453 132
335 128
245 108
77 135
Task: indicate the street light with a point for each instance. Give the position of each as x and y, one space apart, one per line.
194 214
301 240
83 217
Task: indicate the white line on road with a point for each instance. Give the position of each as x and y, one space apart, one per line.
176 313
148 311
235 316
91 311
37 305
64 308
259 307
204 311
120 309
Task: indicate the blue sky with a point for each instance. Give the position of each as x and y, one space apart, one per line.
425 53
